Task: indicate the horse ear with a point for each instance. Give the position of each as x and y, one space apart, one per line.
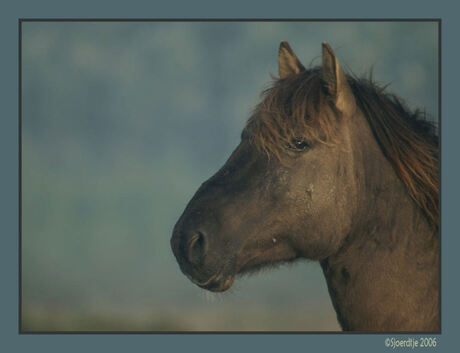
336 83
288 63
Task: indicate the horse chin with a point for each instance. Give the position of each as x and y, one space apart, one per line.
253 267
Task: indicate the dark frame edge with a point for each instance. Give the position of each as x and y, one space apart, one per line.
20 175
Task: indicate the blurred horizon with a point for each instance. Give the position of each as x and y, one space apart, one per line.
122 122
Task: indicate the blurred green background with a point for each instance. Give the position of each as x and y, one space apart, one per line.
122 122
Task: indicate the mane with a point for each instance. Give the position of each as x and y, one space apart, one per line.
407 139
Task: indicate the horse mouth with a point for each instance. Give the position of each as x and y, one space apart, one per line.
216 283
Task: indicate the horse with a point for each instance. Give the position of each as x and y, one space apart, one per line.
334 169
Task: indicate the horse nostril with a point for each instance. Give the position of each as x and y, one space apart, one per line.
196 248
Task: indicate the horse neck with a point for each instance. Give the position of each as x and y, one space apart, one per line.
385 275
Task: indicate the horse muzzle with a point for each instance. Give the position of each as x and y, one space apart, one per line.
199 263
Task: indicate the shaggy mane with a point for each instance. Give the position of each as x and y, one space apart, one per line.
407 139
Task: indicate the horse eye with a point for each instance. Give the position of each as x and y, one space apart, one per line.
298 145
